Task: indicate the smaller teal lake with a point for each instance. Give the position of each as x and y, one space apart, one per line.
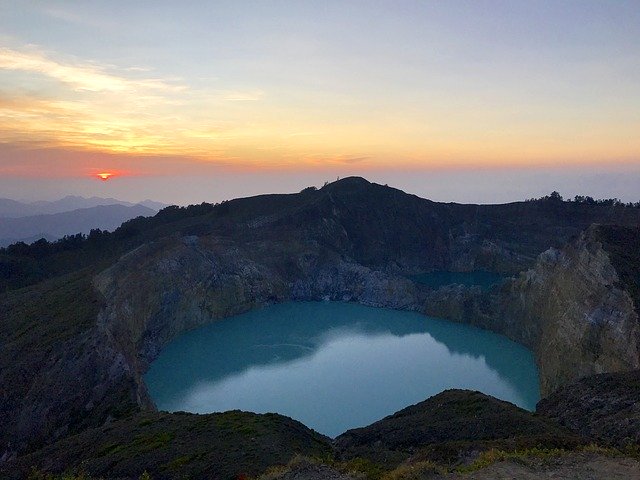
438 279
335 366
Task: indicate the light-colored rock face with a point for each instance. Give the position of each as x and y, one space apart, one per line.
571 310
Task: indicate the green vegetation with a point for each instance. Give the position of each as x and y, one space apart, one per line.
442 426
361 467
416 468
355 467
414 471
47 320
221 445
623 246
196 446
491 456
39 475
22 265
585 200
49 312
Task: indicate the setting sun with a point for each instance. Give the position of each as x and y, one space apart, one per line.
104 176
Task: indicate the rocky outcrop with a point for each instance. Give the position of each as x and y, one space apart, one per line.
604 407
465 304
571 309
574 313
468 420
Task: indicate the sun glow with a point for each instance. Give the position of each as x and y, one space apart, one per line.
104 176
168 125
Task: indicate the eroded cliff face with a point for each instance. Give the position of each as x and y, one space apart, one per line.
572 310
604 407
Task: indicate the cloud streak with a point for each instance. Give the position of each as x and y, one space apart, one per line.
80 76
107 109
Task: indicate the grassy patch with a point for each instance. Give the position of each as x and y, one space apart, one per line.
183 446
178 462
362 467
493 455
152 441
274 472
414 471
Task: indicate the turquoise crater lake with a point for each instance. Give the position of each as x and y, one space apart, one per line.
335 366
480 278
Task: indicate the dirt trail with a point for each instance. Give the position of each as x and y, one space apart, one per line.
579 466
573 466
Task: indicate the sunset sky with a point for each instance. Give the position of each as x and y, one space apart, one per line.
193 101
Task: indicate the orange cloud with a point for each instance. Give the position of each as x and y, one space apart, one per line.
162 125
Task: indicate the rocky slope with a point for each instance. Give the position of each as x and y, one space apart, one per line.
189 281
109 304
575 313
605 407
451 429
176 446
572 309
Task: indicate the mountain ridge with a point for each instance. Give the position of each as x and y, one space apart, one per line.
10 208
349 241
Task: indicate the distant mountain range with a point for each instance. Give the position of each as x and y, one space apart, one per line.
15 209
29 222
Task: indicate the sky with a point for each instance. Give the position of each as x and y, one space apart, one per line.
473 101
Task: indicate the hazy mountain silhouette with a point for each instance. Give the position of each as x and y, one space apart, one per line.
15 209
53 226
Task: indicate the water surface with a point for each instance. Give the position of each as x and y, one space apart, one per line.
438 279
335 366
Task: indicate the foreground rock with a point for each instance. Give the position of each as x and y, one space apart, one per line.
604 407
449 427
584 465
570 466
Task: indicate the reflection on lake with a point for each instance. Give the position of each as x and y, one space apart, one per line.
438 279
335 366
